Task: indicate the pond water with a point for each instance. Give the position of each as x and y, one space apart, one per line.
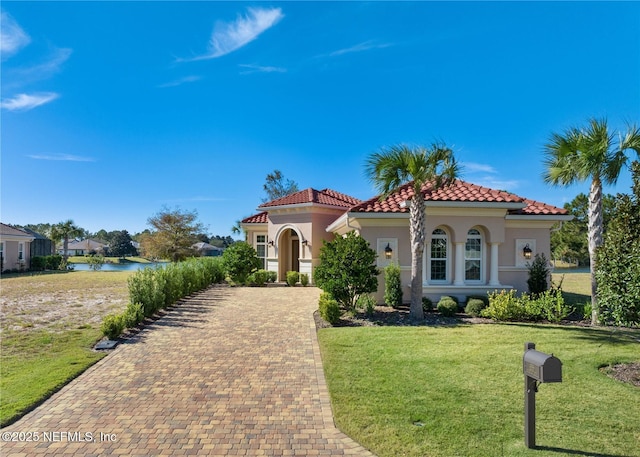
134 266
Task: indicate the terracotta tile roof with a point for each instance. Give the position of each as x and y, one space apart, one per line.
260 218
323 197
539 208
458 191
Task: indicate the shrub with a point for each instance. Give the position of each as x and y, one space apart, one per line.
292 278
113 325
328 308
392 285
503 306
554 309
38 263
53 262
447 306
239 261
95 262
368 303
304 279
133 315
47 262
427 304
259 277
272 276
538 275
347 269
474 307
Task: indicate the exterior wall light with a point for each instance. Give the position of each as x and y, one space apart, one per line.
526 251
305 242
271 243
388 252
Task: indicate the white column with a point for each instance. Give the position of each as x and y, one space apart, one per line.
458 276
494 280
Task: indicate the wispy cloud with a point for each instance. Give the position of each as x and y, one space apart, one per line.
361 47
44 70
181 81
61 157
12 37
230 36
26 102
260 69
495 183
478 167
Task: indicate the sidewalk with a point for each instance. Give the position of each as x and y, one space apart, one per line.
232 371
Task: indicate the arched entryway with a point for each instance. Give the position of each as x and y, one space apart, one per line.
288 252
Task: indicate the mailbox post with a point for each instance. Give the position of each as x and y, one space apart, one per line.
537 367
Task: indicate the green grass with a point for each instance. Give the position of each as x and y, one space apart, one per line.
50 321
464 384
37 364
576 287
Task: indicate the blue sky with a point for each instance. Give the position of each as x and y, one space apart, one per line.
112 110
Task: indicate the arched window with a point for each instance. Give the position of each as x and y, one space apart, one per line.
438 258
473 256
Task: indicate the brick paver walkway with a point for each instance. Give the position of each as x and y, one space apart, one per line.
232 371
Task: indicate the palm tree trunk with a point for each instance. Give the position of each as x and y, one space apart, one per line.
595 239
65 248
416 232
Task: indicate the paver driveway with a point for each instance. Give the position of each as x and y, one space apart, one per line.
232 371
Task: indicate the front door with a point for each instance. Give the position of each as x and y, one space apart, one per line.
295 254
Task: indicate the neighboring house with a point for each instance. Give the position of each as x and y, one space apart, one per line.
207 250
84 247
477 239
15 248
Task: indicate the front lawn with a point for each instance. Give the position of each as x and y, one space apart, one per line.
49 323
458 390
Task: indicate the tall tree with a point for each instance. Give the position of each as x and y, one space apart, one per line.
589 153
618 268
427 169
63 231
569 240
120 244
174 232
276 186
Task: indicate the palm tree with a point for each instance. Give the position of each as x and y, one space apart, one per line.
393 167
591 152
64 231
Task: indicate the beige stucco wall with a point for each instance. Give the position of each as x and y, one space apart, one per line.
10 254
509 236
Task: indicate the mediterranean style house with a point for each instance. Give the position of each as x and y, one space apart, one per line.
477 239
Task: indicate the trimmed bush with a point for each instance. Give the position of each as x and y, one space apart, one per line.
113 325
392 285
347 269
259 277
292 278
538 275
304 279
427 304
504 306
133 315
239 261
447 306
328 308
474 307
272 276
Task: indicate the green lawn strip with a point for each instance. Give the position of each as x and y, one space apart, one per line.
458 391
38 363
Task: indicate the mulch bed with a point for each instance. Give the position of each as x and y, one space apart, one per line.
388 316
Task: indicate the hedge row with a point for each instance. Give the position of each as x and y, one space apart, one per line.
151 290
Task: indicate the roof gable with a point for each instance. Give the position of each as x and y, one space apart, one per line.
327 197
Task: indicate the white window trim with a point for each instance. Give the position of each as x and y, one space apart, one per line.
21 257
427 262
483 253
264 243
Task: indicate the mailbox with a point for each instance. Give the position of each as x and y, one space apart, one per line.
542 367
